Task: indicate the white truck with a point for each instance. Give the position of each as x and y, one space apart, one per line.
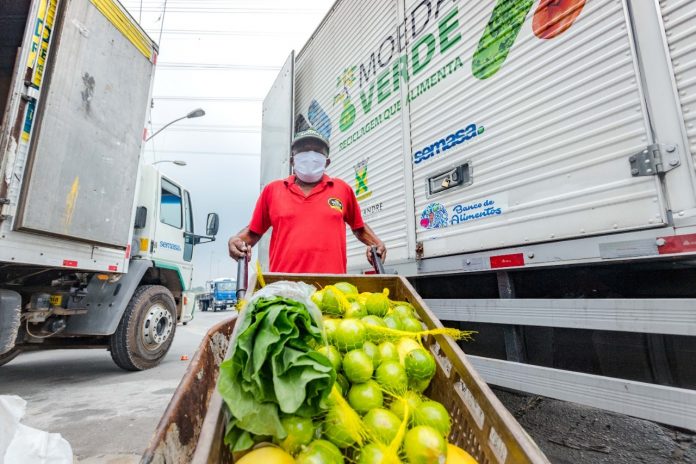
95 245
530 167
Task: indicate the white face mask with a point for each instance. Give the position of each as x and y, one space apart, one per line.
309 166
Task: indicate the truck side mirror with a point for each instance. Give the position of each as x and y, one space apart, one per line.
140 217
212 225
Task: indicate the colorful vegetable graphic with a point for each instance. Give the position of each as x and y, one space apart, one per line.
319 119
554 17
551 19
499 36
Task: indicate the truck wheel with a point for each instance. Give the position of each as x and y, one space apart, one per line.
146 330
9 356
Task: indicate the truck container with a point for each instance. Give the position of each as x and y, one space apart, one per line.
530 168
95 245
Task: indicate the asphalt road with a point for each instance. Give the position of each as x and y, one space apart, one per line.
108 415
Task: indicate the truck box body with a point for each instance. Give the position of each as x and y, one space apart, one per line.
470 126
529 165
72 133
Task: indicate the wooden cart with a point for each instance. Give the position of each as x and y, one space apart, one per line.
192 428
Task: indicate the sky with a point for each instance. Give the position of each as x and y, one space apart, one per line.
222 56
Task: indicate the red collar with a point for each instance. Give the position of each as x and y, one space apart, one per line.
290 183
324 180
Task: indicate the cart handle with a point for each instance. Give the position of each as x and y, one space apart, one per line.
242 277
376 260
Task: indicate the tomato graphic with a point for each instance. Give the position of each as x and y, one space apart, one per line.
554 17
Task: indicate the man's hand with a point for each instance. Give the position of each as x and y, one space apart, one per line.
240 245
381 252
238 248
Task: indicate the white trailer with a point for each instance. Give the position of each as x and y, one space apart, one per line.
95 246
530 167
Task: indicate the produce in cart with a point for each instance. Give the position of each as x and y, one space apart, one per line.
333 376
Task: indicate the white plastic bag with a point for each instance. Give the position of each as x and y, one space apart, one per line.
20 444
298 291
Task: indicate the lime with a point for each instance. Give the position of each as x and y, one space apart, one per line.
347 288
342 383
392 321
456 455
425 445
269 454
316 298
418 385
355 311
405 346
392 377
411 324
371 454
330 326
403 311
373 320
365 396
411 398
319 452
299 430
350 334
433 414
373 352
382 425
377 304
333 355
372 323
330 304
357 366
419 364
388 352
335 429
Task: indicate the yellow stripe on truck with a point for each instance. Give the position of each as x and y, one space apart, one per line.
125 25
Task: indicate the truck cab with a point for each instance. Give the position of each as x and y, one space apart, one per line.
220 294
224 294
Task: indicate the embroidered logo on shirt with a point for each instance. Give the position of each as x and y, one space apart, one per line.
336 204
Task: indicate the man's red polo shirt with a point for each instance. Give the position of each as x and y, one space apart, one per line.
309 232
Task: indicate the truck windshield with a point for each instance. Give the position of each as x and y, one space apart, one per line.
225 286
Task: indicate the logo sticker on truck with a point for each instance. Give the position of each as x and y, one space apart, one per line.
170 246
362 191
434 216
437 216
449 141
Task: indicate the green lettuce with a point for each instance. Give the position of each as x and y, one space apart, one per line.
273 370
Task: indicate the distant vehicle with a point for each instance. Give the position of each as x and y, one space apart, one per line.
221 294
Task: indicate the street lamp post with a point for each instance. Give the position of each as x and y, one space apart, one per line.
197 113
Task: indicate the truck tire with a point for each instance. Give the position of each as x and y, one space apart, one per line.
146 330
9 356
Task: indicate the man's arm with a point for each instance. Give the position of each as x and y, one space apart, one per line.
240 245
366 235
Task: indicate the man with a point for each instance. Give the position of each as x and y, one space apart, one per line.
308 212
